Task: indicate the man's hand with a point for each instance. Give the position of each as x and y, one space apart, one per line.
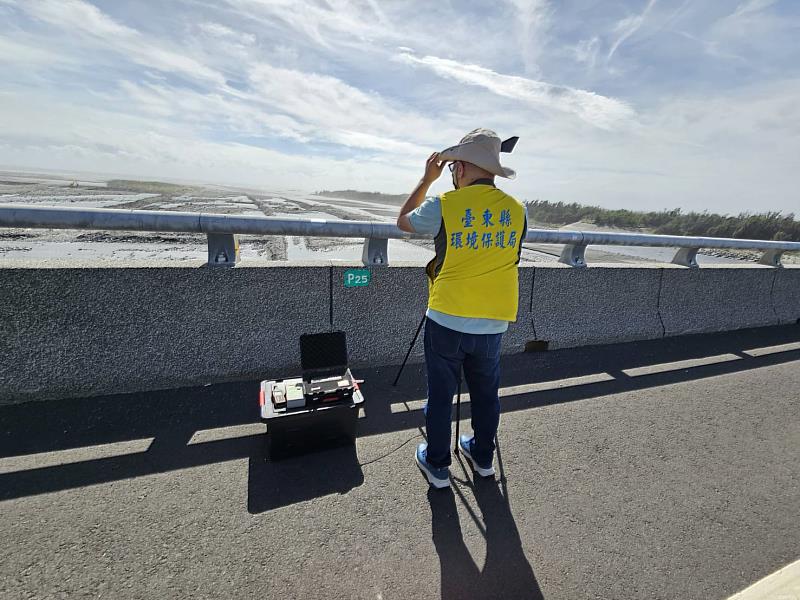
433 168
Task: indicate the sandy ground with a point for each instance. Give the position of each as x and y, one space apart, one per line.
97 192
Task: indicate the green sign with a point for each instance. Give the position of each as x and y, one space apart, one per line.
356 278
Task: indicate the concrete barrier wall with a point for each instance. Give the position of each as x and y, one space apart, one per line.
717 299
380 319
85 329
786 295
579 307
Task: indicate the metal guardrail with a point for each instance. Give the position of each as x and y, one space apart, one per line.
223 230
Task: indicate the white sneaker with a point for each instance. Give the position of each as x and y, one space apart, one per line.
464 445
438 478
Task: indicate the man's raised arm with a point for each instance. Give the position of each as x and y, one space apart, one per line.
433 169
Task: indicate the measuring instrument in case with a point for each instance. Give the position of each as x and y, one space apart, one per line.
318 409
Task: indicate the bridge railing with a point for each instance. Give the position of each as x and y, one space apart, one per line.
222 232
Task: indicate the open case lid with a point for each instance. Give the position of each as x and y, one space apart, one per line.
323 354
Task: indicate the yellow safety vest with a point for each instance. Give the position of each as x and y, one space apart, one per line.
474 273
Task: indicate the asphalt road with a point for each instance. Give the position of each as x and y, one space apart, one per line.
664 469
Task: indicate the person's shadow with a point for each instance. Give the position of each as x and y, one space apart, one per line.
507 572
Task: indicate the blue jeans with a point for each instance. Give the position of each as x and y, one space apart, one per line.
446 351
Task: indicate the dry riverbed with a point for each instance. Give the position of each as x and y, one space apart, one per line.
89 192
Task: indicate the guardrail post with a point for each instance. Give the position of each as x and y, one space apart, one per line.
223 249
376 252
574 255
686 257
772 258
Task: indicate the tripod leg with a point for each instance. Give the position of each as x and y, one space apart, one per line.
458 411
410 348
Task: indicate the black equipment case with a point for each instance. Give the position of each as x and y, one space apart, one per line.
318 409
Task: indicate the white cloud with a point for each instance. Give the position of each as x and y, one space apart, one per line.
18 53
764 37
712 48
103 141
627 27
80 18
593 108
218 30
305 94
345 113
752 6
340 22
531 22
586 51
210 111
293 105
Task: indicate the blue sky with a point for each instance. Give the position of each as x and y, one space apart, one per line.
644 104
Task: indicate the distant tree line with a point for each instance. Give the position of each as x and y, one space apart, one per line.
762 226
759 226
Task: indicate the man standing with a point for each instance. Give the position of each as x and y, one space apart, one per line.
473 294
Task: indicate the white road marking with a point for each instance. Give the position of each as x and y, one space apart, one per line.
226 433
772 349
516 390
680 364
783 584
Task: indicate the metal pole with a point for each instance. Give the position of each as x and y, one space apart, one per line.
411 347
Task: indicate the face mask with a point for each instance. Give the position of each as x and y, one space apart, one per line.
453 177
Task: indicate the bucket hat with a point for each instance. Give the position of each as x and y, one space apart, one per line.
482 147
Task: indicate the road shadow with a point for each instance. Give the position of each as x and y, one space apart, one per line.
273 484
506 572
34 434
613 368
